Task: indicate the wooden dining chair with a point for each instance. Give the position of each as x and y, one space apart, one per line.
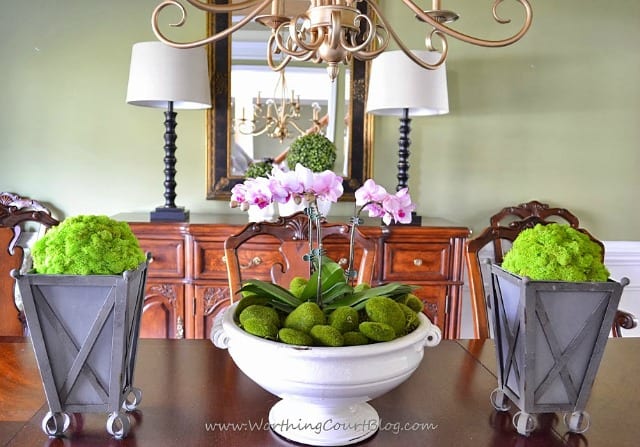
16 213
494 241
275 250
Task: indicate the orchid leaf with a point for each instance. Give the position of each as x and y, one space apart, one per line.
332 274
337 291
273 292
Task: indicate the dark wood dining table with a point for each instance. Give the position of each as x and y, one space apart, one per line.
194 395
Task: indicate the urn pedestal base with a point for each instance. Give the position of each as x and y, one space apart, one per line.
320 425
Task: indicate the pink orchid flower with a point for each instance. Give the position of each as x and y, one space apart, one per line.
370 192
327 185
398 207
259 192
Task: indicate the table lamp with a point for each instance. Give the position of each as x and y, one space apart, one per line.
161 76
399 87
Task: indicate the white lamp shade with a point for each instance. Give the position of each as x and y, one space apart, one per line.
397 83
160 73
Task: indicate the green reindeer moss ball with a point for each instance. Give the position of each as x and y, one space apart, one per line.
87 245
555 252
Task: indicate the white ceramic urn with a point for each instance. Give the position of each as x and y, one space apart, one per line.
324 390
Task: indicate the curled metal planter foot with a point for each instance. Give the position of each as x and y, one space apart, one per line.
55 424
499 400
578 421
525 423
118 425
132 399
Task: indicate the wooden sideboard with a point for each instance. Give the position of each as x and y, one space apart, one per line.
187 281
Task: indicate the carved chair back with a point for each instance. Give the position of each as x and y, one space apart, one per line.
246 256
16 213
494 241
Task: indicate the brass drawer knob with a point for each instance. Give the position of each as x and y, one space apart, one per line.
252 263
417 262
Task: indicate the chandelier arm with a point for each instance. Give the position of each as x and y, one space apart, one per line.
371 35
336 26
270 53
382 44
267 126
197 43
289 49
301 43
296 127
403 47
465 37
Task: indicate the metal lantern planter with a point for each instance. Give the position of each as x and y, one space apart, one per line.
84 331
550 337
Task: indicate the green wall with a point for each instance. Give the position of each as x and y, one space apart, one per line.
555 117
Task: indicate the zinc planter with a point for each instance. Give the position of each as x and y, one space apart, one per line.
324 390
550 337
84 331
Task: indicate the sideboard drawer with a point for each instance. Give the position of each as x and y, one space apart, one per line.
255 260
416 262
167 257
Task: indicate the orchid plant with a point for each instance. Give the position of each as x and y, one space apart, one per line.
281 186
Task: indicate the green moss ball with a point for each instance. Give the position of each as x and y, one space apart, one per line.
411 318
355 338
297 286
344 319
294 337
377 331
247 301
261 328
262 313
381 309
326 335
413 302
304 317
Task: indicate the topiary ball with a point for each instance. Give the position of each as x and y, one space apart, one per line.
259 169
313 151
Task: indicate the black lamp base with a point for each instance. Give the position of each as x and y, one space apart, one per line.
168 214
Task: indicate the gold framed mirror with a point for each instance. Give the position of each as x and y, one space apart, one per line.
221 178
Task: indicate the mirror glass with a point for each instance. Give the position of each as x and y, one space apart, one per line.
241 78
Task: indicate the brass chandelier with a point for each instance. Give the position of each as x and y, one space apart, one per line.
334 31
276 116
